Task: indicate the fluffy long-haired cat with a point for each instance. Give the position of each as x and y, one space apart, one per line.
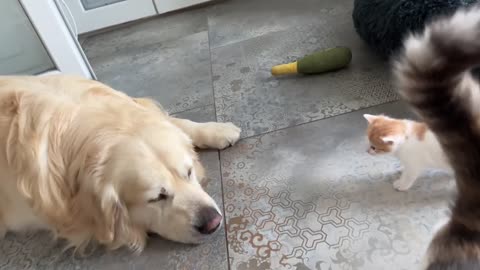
433 75
413 143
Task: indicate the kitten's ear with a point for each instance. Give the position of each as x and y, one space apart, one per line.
392 139
370 117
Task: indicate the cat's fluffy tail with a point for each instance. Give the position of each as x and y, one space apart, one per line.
433 75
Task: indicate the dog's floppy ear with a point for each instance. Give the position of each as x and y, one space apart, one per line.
114 214
116 228
101 203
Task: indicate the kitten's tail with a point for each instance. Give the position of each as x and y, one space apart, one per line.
433 75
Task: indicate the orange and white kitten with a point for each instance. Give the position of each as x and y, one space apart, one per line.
412 142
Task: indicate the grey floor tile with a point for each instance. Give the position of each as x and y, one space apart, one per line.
143 33
248 95
202 114
236 20
38 251
310 197
176 72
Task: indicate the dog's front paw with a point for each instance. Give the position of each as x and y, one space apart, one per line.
221 135
402 184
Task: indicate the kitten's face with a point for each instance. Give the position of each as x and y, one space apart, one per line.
384 133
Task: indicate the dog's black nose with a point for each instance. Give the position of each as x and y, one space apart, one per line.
209 220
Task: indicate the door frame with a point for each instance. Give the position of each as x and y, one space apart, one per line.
64 50
109 15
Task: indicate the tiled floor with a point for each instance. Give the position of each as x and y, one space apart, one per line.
299 190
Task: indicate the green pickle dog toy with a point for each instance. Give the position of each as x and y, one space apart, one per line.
319 62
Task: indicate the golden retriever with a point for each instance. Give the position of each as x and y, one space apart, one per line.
94 165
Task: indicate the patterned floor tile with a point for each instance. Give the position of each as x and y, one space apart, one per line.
175 72
248 95
40 252
310 197
233 21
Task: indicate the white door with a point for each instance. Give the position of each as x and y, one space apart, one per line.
90 15
164 6
36 40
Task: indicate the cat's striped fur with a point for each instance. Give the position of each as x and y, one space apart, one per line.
433 75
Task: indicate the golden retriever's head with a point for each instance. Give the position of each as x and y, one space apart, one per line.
154 178
157 179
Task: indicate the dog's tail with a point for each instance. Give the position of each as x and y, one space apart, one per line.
433 75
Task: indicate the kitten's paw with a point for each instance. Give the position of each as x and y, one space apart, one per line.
402 185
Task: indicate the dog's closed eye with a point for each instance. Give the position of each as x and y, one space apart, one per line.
161 196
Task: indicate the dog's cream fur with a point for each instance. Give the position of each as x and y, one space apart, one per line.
85 162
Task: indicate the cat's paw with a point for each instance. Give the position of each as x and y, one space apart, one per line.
402 185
